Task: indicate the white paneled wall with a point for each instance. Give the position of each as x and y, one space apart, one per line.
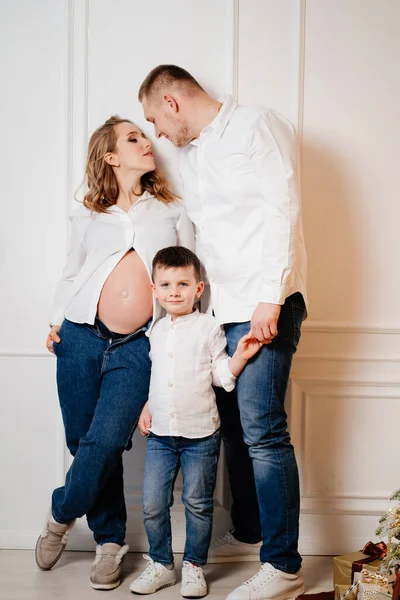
330 67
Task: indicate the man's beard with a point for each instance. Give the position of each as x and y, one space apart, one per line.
182 136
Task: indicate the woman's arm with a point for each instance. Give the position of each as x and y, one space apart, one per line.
75 261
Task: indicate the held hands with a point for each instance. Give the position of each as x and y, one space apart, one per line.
264 322
247 346
145 420
53 337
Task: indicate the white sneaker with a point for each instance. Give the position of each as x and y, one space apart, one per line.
193 583
228 549
154 577
270 584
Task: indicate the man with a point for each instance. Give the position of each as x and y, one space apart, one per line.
239 168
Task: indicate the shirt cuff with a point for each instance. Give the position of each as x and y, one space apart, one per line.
57 317
226 377
273 294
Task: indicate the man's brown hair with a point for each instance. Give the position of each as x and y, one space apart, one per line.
165 75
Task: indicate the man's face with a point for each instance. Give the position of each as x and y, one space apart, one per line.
167 123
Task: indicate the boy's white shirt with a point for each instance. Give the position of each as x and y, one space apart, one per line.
188 357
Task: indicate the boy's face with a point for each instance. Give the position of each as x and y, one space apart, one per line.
176 289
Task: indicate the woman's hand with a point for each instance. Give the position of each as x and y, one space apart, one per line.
53 337
145 420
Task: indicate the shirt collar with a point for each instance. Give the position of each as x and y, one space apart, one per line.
219 124
183 318
145 196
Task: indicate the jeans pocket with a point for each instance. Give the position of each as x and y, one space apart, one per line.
298 317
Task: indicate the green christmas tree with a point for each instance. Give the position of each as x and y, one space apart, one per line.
389 527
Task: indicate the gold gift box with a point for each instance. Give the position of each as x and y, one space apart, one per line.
342 567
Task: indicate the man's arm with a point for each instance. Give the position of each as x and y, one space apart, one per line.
273 155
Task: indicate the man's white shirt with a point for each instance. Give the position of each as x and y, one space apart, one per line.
188 357
241 186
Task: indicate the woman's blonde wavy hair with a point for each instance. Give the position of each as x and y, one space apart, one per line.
102 184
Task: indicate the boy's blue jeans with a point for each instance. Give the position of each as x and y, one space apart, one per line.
198 459
261 389
103 380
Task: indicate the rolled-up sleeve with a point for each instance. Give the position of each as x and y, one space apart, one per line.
221 374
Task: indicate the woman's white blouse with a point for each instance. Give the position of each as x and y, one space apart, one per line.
99 241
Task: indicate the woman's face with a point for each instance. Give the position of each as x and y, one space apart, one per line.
133 151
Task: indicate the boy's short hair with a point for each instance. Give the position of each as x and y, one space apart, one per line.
175 257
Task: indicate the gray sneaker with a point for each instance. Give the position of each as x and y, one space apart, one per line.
107 567
51 543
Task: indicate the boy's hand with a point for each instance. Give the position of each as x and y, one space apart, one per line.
248 346
53 337
145 420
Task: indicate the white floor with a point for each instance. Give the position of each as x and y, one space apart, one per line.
69 580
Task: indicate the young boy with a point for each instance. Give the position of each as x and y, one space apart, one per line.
181 420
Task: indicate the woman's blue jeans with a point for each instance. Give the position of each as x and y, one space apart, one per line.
261 389
103 381
198 459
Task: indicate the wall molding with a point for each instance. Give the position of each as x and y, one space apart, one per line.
77 95
310 326
232 47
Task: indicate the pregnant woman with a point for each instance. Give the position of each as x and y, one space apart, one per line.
102 311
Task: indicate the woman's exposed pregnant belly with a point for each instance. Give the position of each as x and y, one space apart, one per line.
126 302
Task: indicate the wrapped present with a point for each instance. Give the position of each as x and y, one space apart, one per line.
345 566
374 586
343 591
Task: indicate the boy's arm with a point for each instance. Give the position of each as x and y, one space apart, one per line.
225 369
247 347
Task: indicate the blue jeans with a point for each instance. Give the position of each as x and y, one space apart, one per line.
103 380
261 389
198 460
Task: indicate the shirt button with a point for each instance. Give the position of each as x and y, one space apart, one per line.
171 355
214 420
170 384
171 326
172 415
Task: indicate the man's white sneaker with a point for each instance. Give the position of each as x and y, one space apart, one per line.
193 583
270 584
154 577
228 549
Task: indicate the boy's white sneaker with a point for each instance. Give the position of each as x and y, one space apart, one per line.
193 583
270 584
154 577
226 548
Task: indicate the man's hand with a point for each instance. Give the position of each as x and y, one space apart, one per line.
145 420
264 322
53 337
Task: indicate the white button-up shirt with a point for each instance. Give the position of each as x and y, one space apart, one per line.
242 192
188 357
99 241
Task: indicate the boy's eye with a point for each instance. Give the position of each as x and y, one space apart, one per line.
133 140
184 284
164 285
